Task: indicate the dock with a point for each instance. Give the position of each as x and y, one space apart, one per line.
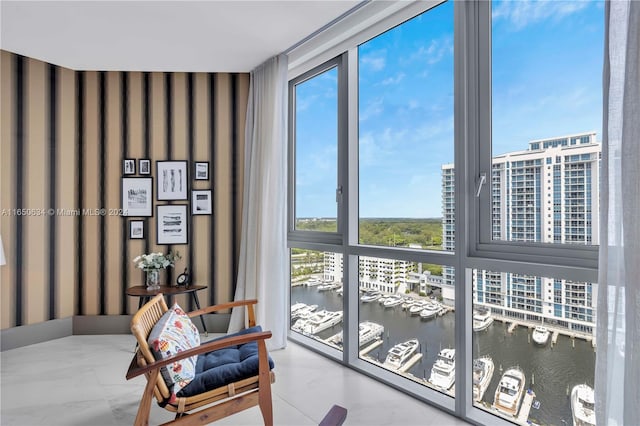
512 327
371 347
554 338
523 415
410 363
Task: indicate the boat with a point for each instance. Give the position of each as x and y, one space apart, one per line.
443 372
320 321
303 312
400 353
482 374
509 392
482 319
339 291
583 406
370 296
367 332
296 307
540 335
313 282
330 286
393 301
408 303
417 308
429 311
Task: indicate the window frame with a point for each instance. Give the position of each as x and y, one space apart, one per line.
472 153
294 234
479 149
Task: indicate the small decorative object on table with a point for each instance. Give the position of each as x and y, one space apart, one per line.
152 263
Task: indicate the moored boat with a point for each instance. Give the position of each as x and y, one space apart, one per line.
429 311
391 301
540 335
482 319
321 321
509 392
416 308
400 353
370 296
482 373
443 372
583 406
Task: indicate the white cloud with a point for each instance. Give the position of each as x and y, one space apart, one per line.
436 51
374 108
376 61
522 13
393 80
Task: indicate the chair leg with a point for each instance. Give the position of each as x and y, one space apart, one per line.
144 409
264 384
264 400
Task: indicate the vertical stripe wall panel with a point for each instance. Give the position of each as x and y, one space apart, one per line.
64 136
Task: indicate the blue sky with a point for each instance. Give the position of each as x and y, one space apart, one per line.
547 63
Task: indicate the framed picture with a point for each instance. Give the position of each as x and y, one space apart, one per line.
129 166
201 202
144 166
172 224
172 180
137 196
136 229
201 170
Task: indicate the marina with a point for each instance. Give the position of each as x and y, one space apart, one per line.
551 371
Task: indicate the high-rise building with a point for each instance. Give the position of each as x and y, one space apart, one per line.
546 193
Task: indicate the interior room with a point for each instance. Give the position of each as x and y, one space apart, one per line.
319 212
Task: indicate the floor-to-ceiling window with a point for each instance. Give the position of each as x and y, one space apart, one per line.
453 226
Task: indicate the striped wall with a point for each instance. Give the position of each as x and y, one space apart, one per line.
64 135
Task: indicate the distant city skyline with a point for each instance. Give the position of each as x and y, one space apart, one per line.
547 62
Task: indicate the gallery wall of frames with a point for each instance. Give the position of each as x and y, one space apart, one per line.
99 167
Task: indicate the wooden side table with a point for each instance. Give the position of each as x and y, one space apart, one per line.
145 295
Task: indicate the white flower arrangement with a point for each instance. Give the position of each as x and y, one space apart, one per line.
156 261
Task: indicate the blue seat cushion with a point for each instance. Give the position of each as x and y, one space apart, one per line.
224 366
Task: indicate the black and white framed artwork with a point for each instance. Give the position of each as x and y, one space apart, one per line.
172 180
144 166
136 229
129 166
201 170
172 224
137 196
201 202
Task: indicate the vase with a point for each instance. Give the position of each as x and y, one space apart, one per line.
153 279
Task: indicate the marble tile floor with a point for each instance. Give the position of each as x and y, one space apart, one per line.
79 380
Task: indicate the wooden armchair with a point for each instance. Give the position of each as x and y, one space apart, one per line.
219 402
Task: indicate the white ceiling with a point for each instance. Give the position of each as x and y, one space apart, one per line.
209 36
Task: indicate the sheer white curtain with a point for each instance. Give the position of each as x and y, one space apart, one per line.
262 270
617 381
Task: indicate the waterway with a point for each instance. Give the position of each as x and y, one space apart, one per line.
551 371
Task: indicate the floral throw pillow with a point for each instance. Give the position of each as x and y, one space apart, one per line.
173 333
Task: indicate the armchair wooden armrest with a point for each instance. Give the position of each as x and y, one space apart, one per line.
223 306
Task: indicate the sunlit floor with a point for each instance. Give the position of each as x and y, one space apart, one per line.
79 380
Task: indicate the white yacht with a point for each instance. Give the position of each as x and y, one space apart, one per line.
391 301
313 282
417 308
482 319
482 374
370 296
583 406
302 310
429 311
329 286
540 335
367 332
443 372
320 321
509 392
400 353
